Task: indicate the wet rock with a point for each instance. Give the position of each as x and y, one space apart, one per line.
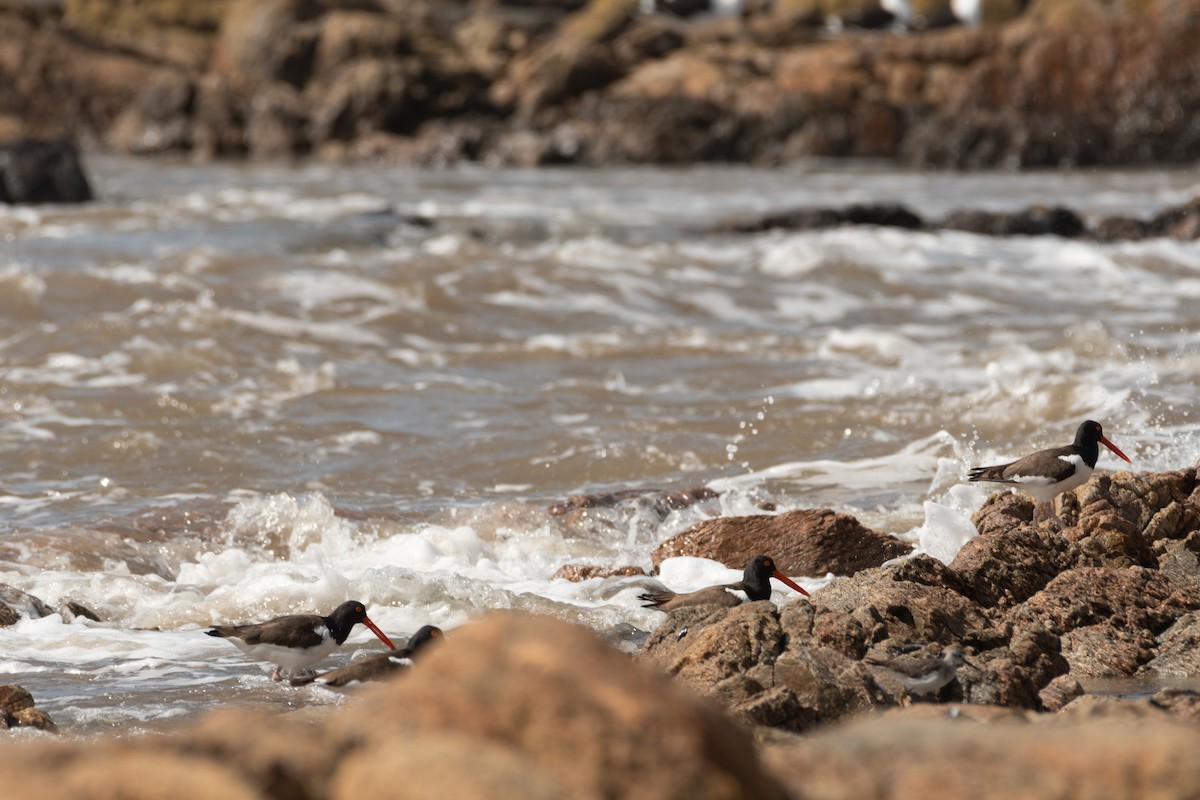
584 572
17 710
69 609
39 171
23 603
1059 692
890 215
1035 221
669 500
802 542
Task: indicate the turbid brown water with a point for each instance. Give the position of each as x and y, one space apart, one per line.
230 392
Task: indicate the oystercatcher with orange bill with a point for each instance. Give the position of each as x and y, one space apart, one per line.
376 666
754 585
297 641
1048 473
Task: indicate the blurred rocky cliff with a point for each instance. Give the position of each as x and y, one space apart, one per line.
1010 83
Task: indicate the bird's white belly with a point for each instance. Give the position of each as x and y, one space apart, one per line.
289 658
1044 491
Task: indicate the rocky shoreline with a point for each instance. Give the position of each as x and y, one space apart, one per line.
516 82
712 704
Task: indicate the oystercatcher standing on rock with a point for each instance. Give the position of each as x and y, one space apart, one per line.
297 641
1048 473
754 585
376 666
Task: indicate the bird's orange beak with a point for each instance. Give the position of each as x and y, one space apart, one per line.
1115 449
786 581
375 630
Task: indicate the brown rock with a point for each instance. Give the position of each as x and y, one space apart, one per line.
1004 566
1178 649
803 542
1107 617
1085 759
590 721
36 171
387 769
14 698
265 42
33 718
1059 692
888 607
17 710
583 572
1183 703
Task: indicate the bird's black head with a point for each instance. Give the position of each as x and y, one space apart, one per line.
1090 430
423 636
350 612
760 565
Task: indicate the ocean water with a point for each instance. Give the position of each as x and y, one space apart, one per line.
229 392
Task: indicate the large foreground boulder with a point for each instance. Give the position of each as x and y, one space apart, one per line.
511 706
1125 753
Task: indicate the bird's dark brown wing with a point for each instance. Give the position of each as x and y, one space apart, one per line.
1049 466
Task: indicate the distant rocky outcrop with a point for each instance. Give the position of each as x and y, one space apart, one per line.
1046 83
1177 222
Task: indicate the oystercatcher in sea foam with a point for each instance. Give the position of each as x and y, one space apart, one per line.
297 641
754 585
376 666
1048 473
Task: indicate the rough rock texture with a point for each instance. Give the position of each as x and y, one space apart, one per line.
15 604
540 708
803 542
1116 593
511 82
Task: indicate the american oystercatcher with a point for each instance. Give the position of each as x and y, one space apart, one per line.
1048 473
376 666
297 641
923 675
754 585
